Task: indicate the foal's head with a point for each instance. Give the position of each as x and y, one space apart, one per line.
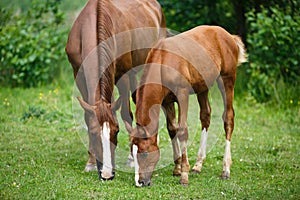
145 154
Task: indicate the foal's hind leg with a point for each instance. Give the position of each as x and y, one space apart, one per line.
226 86
172 127
205 121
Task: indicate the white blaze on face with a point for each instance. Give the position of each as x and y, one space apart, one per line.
136 165
107 165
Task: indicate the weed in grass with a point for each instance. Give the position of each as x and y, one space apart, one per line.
33 112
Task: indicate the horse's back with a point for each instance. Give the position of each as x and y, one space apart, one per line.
137 13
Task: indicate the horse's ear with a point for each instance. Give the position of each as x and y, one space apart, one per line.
116 105
87 107
132 135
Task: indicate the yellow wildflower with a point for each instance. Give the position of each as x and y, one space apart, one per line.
41 95
56 90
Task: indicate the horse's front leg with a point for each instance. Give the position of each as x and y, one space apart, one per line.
123 86
182 134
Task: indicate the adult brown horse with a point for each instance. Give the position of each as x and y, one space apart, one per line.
108 39
188 63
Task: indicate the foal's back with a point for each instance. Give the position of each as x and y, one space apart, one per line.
196 57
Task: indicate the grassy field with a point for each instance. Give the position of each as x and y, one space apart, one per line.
43 148
43 152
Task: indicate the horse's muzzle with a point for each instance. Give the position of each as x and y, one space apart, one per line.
106 178
144 183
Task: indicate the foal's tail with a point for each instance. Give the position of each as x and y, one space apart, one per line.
242 50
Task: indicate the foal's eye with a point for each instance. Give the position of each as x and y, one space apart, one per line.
144 155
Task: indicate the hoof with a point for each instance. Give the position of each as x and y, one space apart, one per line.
225 175
197 168
90 167
184 179
176 172
195 171
184 182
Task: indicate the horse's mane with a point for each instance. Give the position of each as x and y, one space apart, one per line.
105 50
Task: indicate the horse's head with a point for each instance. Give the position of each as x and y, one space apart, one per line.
145 154
102 129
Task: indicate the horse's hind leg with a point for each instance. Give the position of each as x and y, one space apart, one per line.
205 121
226 86
172 127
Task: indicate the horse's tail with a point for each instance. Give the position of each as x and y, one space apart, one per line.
242 58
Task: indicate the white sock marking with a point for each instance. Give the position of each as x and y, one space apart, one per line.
202 151
203 143
227 157
136 166
107 165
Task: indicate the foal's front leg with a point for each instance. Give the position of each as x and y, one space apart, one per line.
182 134
172 127
205 122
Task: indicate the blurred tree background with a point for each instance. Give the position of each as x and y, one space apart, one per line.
270 30
33 35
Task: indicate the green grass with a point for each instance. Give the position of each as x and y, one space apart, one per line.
43 152
43 148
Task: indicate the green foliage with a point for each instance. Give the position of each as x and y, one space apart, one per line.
184 15
273 45
31 45
15 4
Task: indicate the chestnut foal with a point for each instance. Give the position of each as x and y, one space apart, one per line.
188 63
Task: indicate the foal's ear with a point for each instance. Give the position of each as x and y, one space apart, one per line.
87 107
141 132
